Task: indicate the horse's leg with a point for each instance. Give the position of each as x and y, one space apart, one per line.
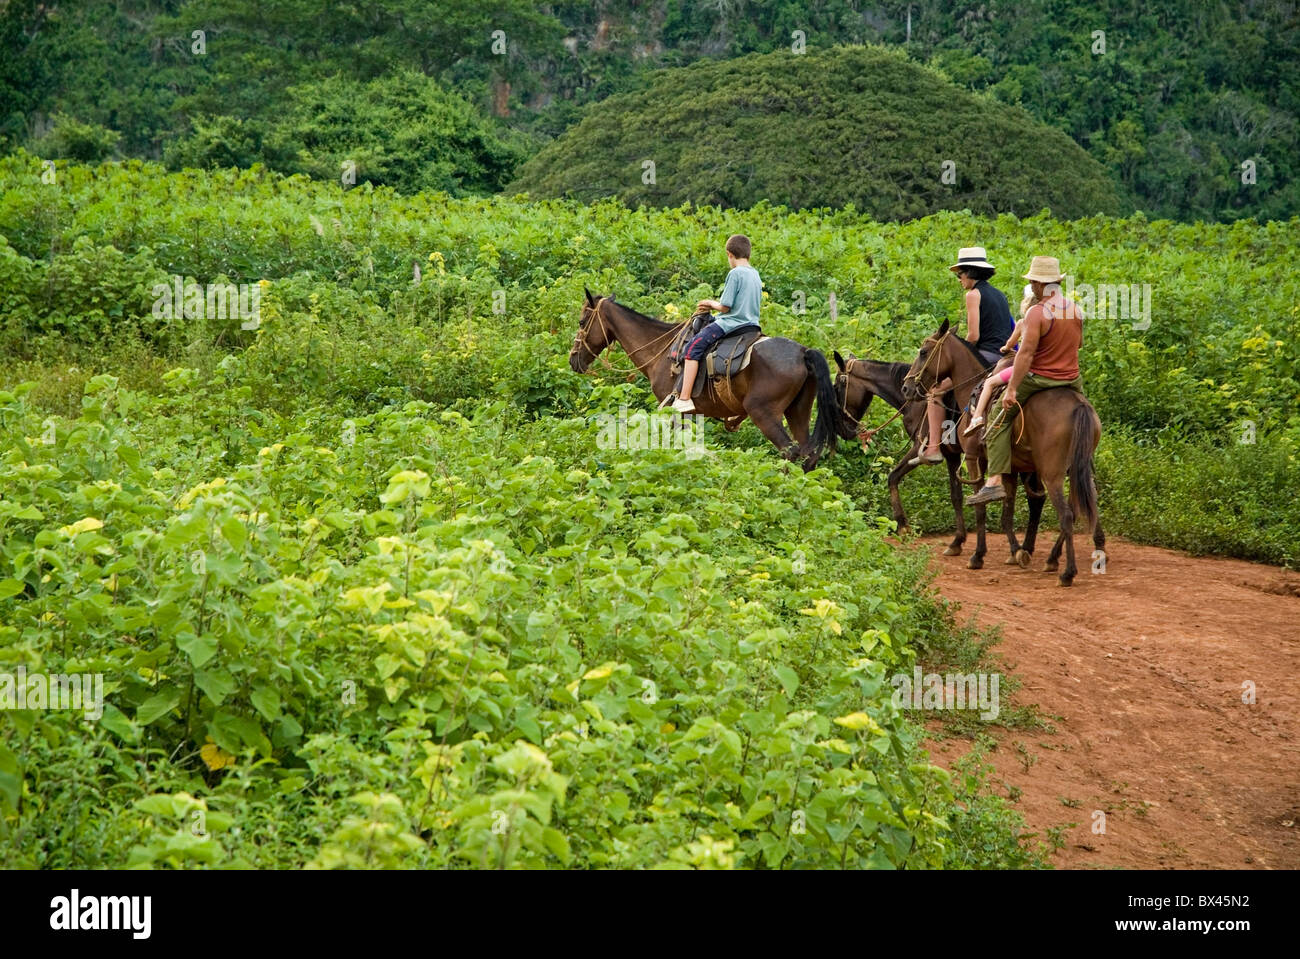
1054 557
981 538
1098 538
1056 490
895 477
1009 516
799 414
957 496
1036 501
763 412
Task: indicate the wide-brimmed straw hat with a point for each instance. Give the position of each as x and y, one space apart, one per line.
972 256
1045 269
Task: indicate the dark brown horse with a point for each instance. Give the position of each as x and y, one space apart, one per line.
1055 436
782 380
860 380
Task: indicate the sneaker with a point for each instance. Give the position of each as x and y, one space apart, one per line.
989 494
683 406
975 423
925 458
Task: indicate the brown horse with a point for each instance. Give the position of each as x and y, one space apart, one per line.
860 380
782 380
1056 436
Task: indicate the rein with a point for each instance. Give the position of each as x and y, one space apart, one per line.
915 377
956 387
865 436
604 328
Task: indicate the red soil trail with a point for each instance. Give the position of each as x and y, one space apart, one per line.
1144 667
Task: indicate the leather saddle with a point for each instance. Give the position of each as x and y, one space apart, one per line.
726 358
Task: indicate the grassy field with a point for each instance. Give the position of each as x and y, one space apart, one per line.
365 588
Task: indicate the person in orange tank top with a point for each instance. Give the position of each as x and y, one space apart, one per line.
1048 358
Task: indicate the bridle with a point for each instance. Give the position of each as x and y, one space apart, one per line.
864 434
957 387
585 327
914 377
581 338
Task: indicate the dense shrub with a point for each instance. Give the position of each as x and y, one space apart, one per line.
860 126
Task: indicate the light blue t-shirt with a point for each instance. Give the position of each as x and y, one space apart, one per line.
743 297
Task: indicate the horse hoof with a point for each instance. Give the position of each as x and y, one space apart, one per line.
952 551
1067 581
1051 566
1023 558
1011 560
976 562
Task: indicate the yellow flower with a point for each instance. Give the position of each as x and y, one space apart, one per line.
214 756
82 526
858 721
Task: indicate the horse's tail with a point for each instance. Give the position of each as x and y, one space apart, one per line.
831 421
1083 492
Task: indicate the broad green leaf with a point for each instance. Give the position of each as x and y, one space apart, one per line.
158 705
266 701
217 683
199 649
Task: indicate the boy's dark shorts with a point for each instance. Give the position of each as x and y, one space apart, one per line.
710 335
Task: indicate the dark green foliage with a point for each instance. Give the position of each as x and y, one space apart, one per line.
1183 94
858 125
402 131
71 139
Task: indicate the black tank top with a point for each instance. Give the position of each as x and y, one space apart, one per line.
995 318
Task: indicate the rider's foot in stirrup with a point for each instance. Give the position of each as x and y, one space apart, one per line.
683 406
989 494
975 423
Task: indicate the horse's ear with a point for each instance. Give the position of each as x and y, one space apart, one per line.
591 300
839 361
943 329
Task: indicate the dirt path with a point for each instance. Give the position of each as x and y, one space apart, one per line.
1144 667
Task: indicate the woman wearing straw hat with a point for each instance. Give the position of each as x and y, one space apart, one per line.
1048 358
988 326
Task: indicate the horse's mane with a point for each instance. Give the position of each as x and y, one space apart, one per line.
974 351
896 372
885 379
658 325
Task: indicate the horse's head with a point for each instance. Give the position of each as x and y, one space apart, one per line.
852 393
932 364
593 336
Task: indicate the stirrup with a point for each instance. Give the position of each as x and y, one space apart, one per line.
668 400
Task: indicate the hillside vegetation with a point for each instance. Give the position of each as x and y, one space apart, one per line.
860 126
1172 97
367 590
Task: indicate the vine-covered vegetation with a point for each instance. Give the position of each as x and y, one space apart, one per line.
366 589
1172 97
